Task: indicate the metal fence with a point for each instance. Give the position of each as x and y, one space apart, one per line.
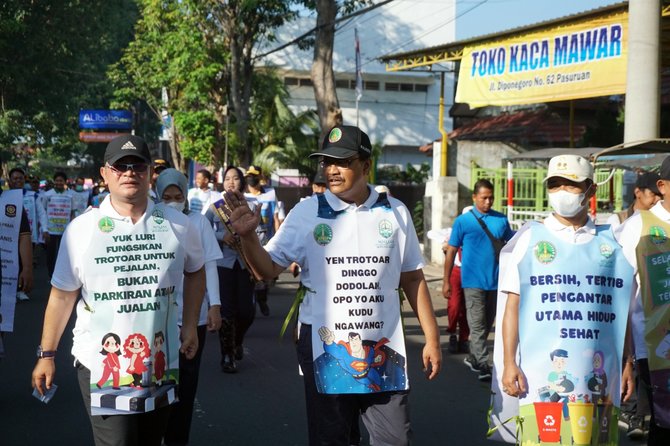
530 193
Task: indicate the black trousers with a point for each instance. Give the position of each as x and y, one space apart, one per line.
144 429
181 415
237 301
52 252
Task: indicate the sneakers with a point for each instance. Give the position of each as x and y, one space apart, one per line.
470 362
624 419
464 347
228 364
484 373
635 428
22 296
453 344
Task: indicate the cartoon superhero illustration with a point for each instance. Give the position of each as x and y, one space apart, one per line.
111 349
136 347
561 382
355 358
597 380
159 357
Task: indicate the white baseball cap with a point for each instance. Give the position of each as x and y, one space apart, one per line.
571 167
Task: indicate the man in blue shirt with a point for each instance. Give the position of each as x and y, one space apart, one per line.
479 269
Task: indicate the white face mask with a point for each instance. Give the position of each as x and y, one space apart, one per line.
566 204
178 205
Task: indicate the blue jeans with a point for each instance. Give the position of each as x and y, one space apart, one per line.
480 308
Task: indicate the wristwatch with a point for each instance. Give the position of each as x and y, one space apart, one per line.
45 353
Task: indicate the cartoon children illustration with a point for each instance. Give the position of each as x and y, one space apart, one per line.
561 382
111 349
159 357
355 358
597 381
136 347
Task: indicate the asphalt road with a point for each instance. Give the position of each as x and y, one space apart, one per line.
263 404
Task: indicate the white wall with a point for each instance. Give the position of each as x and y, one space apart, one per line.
389 117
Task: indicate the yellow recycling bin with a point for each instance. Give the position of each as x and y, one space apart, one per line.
581 422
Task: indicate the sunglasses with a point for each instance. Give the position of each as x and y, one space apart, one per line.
341 163
121 168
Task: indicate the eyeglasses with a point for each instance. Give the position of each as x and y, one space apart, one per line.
121 168
337 162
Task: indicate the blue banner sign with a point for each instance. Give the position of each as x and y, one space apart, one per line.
106 119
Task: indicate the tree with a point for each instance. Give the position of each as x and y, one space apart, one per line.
169 67
201 52
322 75
285 139
53 64
245 23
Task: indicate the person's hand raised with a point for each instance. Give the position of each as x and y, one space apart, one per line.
242 220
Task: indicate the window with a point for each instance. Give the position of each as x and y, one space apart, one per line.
289 81
342 83
406 87
305 82
371 85
421 87
392 86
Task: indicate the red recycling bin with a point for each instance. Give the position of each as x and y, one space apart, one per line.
548 417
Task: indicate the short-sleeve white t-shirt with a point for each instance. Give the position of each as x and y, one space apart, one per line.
71 263
290 242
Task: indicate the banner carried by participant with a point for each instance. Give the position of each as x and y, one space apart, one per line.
580 60
11 208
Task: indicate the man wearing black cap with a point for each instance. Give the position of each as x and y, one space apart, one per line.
646 196
646 245
129 261
319 183
354 246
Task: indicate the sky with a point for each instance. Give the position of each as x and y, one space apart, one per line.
479 17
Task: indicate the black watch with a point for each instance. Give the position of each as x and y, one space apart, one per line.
45 353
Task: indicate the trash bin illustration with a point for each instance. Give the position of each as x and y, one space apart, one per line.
604 417
548 418
581 422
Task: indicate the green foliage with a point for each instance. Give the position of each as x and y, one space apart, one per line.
393 175
54 55
286 139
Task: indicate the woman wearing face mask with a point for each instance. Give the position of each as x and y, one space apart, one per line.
553 287
171 186
236 286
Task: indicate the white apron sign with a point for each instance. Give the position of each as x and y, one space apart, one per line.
358 343
11 208
132 284
59 210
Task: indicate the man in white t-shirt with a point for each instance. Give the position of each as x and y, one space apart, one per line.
58 205
129 260
200 197
550 270
354 246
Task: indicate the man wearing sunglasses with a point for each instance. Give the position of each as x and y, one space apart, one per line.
355 247
129 261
